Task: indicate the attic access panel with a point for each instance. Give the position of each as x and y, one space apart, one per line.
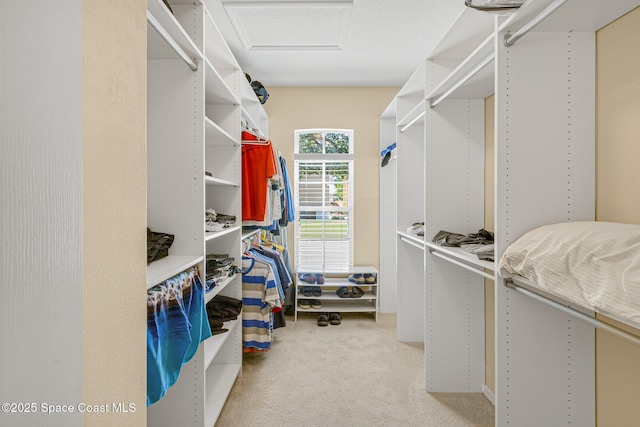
291 25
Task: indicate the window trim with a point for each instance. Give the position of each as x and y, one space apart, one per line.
325 157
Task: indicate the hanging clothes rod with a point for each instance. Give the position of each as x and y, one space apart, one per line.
463 265
463 80
412 243
630 338
163 33
511 39
408 125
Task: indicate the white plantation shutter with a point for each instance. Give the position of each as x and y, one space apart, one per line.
324 202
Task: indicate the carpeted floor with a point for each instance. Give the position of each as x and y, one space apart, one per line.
353 374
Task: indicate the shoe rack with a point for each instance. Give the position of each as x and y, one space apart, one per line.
326 298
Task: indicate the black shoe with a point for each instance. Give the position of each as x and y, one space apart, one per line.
304 303
335 318
343 292
356 292
323 319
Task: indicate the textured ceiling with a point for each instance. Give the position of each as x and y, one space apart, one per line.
333 43
284 26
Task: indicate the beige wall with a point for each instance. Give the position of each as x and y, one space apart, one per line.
342 108
617 178
114 209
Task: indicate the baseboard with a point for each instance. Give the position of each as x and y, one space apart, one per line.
489 394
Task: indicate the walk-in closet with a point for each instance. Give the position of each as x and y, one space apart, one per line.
355 213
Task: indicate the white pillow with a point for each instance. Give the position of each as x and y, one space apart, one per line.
593 264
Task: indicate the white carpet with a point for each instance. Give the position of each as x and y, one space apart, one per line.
353 374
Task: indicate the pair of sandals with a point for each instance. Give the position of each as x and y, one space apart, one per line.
355 292
363 279
311 291
325 318
312 278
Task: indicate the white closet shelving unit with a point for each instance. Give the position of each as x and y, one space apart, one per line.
196 103
388 207
331 302
410 107
544 86
454 304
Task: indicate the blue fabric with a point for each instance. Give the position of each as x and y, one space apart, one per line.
176 324
287 190
389 149
274 267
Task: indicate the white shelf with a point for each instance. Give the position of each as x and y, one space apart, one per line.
248 233
352 305
219 287
216 48
210 180
216 234
157 47
215 135
213 344
357 269
473 78
577 16
217 90
252 122
415 86
218 384
411 239
167 267
337 281
330 295
413 116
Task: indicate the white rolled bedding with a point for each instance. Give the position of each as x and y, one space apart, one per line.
593 264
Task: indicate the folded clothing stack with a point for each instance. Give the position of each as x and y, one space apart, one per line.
472 243
219 266
222 309
216 221
417 228
158 245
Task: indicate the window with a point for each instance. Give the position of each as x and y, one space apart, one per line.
324 199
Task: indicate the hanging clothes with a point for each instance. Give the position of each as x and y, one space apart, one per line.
258 167
176 324
288 214
266 190
259 294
